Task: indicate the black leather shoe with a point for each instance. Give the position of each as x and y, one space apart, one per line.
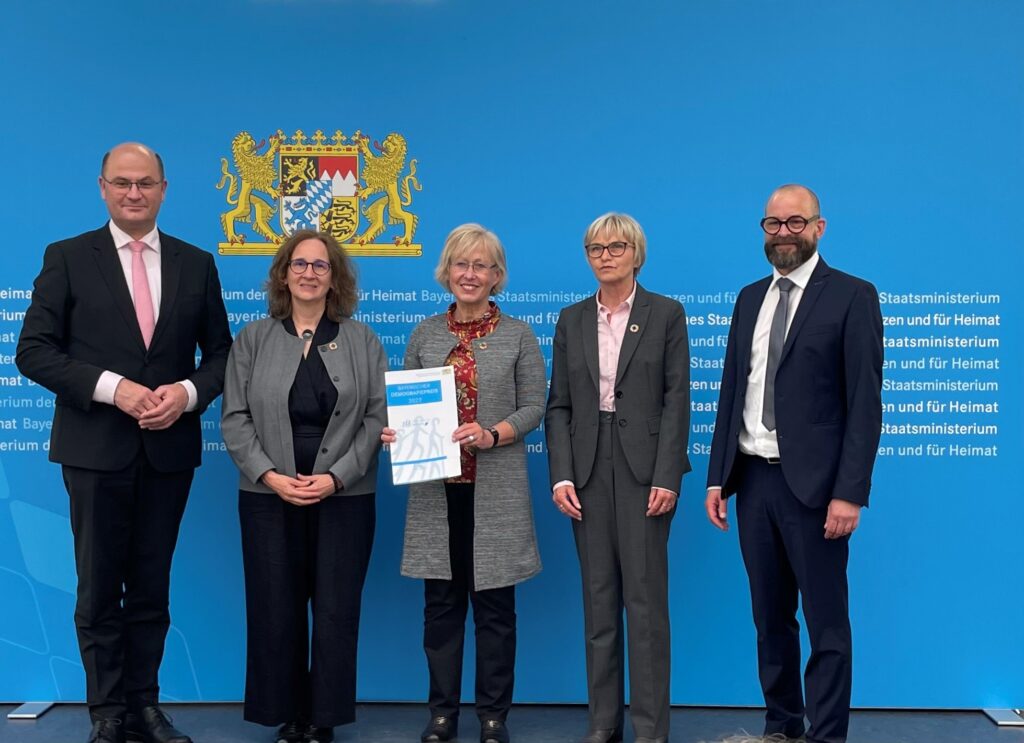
152 725
493 731
608 735
440 728
292 732
319 735
107 731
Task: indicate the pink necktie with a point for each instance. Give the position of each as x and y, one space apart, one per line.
140 291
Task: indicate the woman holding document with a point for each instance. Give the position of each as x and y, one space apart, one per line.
471 538
303 413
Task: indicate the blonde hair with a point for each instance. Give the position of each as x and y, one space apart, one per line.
625 226
462 241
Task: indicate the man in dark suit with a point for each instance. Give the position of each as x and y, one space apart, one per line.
799 419
115 320
617 422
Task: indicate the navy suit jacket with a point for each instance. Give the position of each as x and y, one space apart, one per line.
828 389
82 321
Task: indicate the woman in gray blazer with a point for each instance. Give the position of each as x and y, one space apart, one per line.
303 412
617 424
471 538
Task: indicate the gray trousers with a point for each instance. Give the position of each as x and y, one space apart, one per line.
624 563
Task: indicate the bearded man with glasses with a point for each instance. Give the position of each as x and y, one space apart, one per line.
116 317
799 420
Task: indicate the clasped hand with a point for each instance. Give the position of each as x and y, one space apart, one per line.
156 409
302 490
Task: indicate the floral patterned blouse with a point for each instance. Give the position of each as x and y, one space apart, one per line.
461 357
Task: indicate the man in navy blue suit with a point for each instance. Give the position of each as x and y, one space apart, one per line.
799 419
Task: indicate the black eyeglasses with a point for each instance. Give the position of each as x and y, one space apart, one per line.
795 224
299 265
615 249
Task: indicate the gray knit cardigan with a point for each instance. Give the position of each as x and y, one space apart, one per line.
511 388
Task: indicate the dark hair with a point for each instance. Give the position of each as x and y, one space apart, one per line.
342 296
154 153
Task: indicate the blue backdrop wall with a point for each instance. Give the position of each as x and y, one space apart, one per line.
533 118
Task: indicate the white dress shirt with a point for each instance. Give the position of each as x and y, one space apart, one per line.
754 437
108 381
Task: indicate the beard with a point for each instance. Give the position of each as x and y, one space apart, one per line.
805 248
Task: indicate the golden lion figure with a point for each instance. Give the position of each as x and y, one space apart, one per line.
381 173
256 173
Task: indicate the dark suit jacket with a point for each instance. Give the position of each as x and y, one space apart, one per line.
828 389
652 391
82 321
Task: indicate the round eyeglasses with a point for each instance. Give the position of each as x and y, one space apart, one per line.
795 224
299 266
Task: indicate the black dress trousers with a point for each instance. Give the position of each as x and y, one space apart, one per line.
125 525
302 560
297 557
444 624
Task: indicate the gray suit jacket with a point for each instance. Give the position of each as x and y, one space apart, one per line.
255 423
510 388
652 392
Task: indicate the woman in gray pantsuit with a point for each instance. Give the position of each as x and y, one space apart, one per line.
471 538
617 424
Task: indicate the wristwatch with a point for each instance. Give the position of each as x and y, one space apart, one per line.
494 433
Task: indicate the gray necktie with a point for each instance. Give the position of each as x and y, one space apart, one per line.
776 340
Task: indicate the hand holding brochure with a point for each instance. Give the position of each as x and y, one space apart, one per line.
421 408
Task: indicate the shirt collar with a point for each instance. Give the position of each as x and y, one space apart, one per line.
799 275
122 238
628 301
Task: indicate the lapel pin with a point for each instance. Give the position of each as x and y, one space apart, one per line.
333 346
483 345
634 328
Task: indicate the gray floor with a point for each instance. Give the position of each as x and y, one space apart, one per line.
383 723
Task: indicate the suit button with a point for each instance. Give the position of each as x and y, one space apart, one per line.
323 451
622 423
618 394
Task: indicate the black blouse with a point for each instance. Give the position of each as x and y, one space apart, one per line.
312 397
